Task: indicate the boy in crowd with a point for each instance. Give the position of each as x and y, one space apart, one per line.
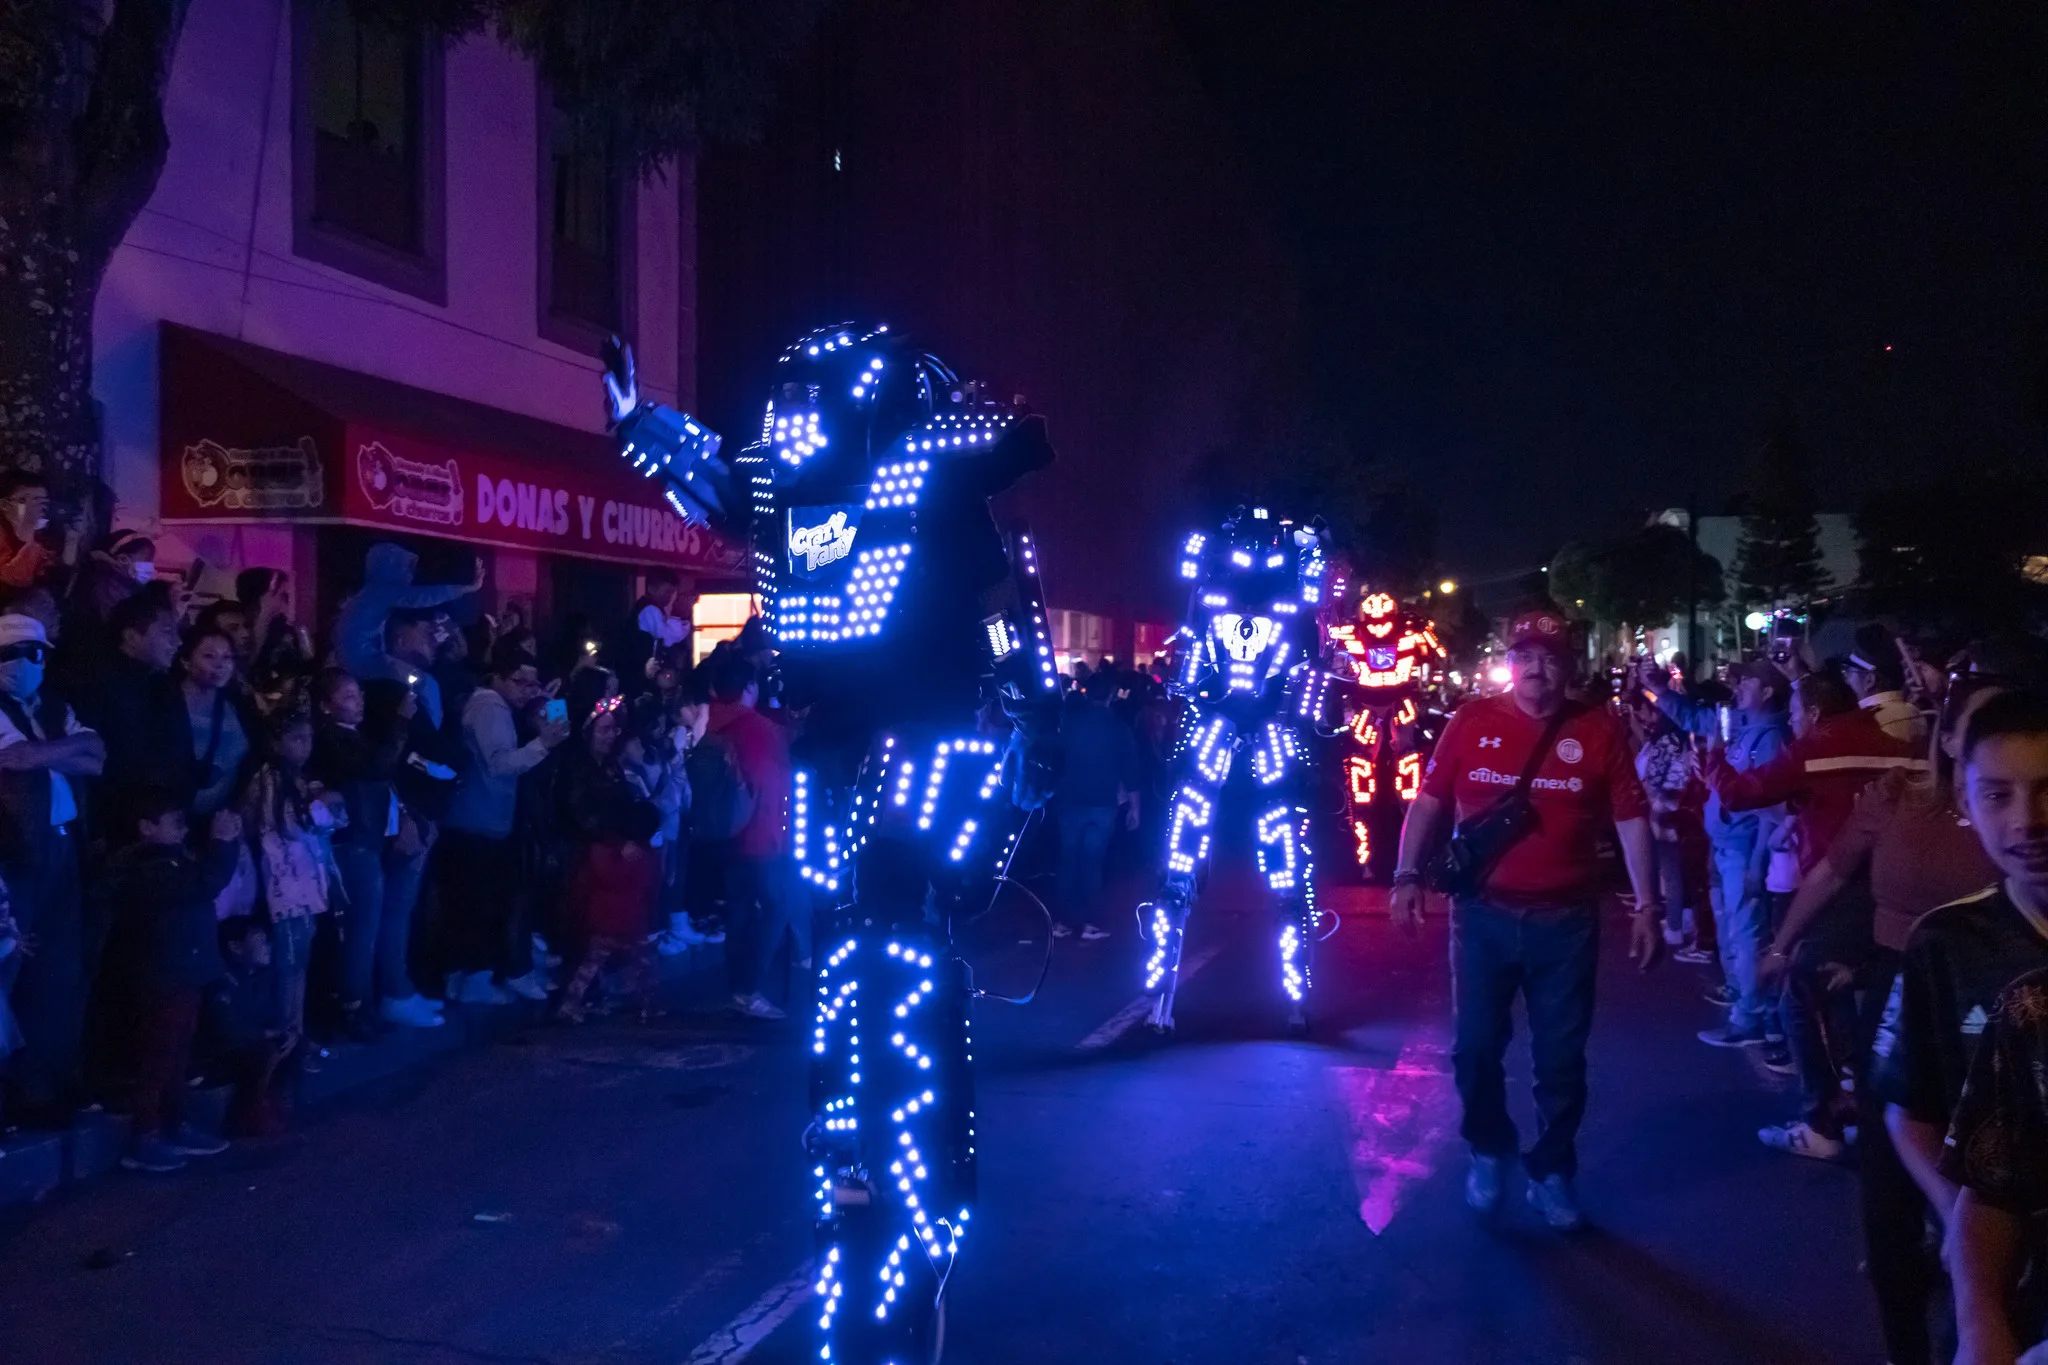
1962 957
246 1040
164 894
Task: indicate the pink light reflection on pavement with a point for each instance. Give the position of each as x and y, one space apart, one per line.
1399 1118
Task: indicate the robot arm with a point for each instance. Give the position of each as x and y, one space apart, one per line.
662 443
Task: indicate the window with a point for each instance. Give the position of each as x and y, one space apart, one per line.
586 234
367 148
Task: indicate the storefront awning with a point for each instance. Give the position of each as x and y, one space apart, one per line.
253 435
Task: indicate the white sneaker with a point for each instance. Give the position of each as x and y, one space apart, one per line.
411 1012
479 989
1062 931
1674 938
532 986
1554 1198
544 955
756 1006
1482 1183
1091 934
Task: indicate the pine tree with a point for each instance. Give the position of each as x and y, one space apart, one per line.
1778 560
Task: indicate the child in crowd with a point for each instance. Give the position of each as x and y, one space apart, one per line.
616 863
290 818
164 896
246 1041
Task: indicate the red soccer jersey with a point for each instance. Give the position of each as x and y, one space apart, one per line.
1585 783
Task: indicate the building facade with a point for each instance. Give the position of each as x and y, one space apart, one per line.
366 303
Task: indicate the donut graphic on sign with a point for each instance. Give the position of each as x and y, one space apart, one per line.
408 489
266 479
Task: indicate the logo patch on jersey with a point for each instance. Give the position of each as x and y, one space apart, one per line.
820 537
1570 750
1974 1021
1489 742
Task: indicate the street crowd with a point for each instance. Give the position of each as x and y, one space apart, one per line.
228 849
1856 849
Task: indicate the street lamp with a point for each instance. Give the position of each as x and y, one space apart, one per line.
1447 587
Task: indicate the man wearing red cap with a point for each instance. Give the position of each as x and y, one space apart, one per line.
1532 925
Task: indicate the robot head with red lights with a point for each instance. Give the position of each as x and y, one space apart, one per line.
1382 645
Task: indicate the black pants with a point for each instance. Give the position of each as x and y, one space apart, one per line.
50 994
483 908
1550 957
1914 1304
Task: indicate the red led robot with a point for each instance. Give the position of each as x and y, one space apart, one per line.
1380 663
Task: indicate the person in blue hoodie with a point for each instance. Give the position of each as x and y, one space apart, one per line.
1759 727
387 587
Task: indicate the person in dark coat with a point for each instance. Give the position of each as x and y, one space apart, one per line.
164 895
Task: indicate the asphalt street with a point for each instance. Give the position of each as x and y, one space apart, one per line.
620 1193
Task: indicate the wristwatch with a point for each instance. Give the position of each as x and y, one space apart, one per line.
1408 878
1648 907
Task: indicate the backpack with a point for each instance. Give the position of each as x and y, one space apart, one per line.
721 802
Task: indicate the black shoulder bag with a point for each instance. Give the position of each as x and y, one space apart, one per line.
1478 843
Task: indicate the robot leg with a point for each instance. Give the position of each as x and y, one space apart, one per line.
1164 920
1285 864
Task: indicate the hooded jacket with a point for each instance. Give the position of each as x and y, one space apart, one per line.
387 587
1820 773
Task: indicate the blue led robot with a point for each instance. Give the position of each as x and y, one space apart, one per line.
915 637
1247 679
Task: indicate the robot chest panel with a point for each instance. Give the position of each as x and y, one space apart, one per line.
839 576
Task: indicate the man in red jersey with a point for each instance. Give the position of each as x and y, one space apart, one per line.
1533 927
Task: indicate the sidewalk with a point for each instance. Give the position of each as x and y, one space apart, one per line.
35 1163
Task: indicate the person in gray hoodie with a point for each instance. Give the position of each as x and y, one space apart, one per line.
387 587
1759 727
489 952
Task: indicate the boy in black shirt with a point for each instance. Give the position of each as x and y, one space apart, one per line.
164 896
1962 957
1998 1154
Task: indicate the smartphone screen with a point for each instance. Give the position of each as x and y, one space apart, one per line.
556 710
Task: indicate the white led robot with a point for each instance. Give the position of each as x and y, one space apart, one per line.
901 618
1248 679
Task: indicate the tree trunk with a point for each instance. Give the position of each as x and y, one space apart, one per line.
48 282
85 147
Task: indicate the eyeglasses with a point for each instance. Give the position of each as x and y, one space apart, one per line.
35 651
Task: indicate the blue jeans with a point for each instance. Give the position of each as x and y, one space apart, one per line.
764 901
1742 922
1084 851
1549 957
382 885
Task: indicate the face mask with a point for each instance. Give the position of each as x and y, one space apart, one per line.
142 572
19 678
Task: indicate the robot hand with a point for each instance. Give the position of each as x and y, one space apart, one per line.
621 386
658 440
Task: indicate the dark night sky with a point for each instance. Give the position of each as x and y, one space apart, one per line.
1565 261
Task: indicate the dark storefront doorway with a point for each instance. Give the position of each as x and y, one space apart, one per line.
585 596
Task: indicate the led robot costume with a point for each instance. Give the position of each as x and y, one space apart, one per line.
1379 661
899 620
1247 679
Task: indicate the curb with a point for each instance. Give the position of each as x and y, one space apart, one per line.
36 1163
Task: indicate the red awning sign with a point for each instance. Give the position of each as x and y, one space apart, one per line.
252 435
